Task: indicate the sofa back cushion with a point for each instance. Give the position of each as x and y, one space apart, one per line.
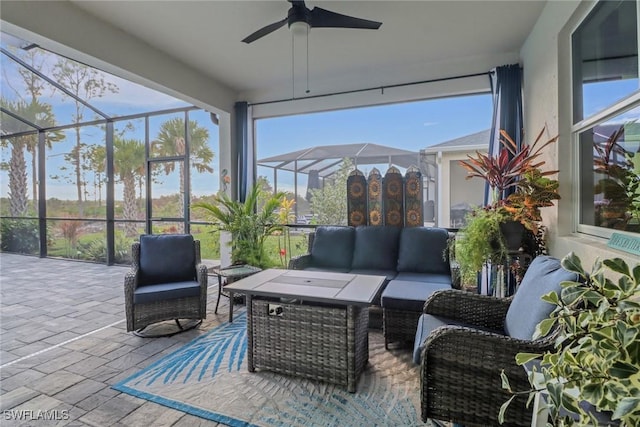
167 258
376 248
423 250
527 308
333 247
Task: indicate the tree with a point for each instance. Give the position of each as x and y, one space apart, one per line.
84 83
171 142
329 204
35 112
129 160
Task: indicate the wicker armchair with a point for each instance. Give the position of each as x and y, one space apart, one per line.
465 340
166 282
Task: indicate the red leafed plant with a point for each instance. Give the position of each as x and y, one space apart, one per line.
504 170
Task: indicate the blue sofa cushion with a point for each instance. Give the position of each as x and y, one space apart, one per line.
527 308
166 258
376 248
333 247
408 296
422 250
165 291
425 277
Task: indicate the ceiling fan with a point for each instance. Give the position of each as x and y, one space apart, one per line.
313 18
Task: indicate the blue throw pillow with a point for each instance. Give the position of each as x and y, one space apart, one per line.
167 258
376 248
527 308
332 247
422 250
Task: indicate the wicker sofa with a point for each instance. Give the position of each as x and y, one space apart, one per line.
412 260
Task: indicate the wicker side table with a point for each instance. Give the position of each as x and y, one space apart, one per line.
228 275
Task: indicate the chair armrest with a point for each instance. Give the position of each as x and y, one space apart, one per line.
483 311
300 262
460 375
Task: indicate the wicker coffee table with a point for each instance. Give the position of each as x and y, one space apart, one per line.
309 324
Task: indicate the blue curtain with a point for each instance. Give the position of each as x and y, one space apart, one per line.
241 143
506 88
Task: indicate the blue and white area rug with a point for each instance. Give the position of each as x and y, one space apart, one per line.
208 377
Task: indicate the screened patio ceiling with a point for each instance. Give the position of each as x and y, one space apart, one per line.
34 98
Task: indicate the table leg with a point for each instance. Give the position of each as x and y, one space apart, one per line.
248 303
219 292
230 307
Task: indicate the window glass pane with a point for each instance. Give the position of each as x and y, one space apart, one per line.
167 190
204 161
75 239
18 169
129 165
605 57
20 236
610 173
310 156
76 167
166 135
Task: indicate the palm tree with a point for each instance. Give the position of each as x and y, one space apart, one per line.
129 160
171 142
37 113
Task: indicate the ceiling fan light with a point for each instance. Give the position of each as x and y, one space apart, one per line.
299 28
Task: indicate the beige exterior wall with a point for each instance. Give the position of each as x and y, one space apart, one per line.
545 57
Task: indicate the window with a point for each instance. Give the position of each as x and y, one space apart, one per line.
606 112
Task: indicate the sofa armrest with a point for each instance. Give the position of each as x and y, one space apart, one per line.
460 376
300 262
483 311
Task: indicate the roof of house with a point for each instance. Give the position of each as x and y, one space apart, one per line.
474 141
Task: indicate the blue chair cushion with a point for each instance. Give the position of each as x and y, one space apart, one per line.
165 291
376 248
425 277
408 296
166 258
423 249
333 247
426 324
527 308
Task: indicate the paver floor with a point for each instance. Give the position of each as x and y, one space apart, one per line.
63 344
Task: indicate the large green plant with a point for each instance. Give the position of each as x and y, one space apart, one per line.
596 358
248 223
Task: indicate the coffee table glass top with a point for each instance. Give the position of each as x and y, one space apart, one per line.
340 288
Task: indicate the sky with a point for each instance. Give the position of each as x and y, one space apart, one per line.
410 126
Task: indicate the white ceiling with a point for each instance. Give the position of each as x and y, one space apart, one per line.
418 40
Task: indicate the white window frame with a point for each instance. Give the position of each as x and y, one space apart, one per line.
619 107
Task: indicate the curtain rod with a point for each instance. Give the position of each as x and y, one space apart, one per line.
381 88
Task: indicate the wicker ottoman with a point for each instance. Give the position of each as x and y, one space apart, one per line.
319 342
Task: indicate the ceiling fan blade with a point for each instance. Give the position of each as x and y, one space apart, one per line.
264 31
325 18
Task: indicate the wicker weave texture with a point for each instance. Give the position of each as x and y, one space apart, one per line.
400 326
460 370
322 343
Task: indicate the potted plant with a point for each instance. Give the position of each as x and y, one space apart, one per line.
248 224
516 168
593 372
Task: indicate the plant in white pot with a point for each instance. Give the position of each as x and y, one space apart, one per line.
593 372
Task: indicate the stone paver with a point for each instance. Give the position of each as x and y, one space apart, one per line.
63 344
